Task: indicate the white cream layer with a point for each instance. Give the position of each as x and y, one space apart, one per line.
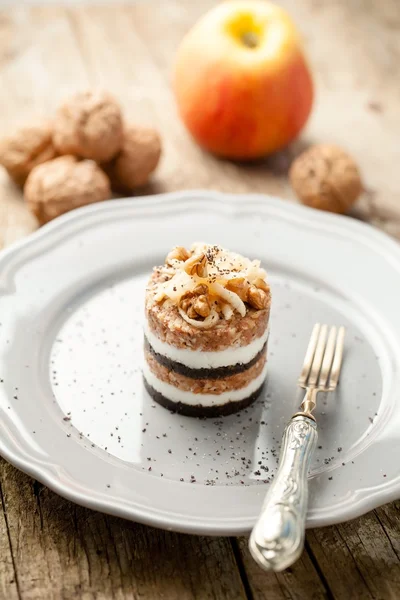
176 395
197 359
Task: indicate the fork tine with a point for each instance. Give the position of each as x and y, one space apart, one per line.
312 345
337 360
328 358
318 356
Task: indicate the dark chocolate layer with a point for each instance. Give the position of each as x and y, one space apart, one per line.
218 373
189 410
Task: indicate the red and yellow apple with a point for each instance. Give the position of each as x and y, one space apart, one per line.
241 81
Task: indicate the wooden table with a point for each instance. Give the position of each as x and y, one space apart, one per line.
50 548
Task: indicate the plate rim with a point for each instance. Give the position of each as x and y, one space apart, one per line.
42 470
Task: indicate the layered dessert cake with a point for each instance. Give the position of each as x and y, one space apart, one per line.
206 331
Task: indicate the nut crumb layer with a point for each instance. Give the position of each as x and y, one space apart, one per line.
205 386
166 323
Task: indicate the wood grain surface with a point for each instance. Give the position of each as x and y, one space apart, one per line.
51 548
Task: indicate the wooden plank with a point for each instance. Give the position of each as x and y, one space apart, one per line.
389 518
65 551
39 64
8 574
296 583
360 559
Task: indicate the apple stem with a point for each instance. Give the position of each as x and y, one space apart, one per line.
250 39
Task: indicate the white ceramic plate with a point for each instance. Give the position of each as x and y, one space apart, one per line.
74 413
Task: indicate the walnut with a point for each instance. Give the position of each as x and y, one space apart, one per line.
191 313
327 178
139 156
257 298
239 286
62 184
187 305
202 306
200 289
178 253
256 295
196 303
186 302
262 284
89 125
27 147
197 265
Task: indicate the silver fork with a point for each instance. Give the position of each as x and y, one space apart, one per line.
277 538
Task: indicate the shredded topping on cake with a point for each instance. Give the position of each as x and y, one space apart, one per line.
208 283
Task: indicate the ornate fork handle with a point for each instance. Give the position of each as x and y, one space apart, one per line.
277 538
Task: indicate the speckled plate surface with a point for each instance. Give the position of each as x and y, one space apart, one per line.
74 413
